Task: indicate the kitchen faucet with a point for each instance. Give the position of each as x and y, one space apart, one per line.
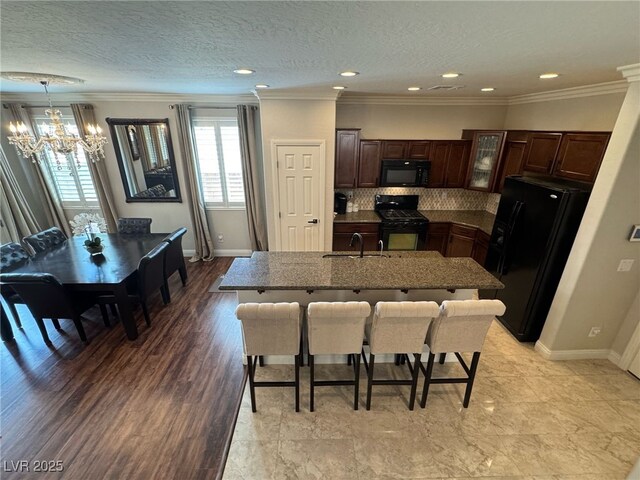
359 237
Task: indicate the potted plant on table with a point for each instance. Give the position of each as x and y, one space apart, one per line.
90 224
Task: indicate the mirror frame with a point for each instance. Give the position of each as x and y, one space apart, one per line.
113 122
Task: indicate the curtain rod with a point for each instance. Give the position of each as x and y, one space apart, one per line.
4 105
191 107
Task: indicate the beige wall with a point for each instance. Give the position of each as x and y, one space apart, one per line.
438 122
628 327
298 120
598 112
591 291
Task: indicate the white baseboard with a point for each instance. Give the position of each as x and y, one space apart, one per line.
602 353
223 253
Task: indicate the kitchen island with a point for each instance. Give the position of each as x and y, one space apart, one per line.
306 277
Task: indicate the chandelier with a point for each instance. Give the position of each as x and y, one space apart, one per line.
57 138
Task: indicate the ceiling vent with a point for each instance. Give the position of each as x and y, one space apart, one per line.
446 87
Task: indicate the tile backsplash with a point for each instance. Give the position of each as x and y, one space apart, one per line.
431 198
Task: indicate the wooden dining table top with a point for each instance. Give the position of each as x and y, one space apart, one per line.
73 265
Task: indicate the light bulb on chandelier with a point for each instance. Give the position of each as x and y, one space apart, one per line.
58 138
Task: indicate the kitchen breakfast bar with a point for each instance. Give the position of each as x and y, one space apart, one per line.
306 277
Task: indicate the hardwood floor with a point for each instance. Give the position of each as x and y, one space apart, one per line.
163 406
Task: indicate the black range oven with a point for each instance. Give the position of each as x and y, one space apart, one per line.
404 173
402 226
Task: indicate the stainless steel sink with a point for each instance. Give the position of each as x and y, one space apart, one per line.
348 255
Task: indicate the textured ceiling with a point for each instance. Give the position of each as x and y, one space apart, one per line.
192 47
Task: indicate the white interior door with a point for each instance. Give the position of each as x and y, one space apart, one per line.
300 196
635 365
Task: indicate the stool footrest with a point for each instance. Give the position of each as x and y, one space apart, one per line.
329 383
274 384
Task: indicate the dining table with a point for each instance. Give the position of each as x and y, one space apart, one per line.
106 273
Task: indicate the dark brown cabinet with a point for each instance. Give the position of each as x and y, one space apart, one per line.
394 149
542 149
347 155
580 156
461 241
342 233
419 150
480 247
512 162
449 160
438 237
369 164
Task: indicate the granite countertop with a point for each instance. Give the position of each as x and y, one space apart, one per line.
400 270
362 216
473 218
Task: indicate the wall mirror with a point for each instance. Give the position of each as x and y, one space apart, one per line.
145 158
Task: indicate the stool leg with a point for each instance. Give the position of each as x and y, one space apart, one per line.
472 376
414 380
356 393
442 358
427 380
372 359
311 381
261 360
297 373
349 359
56 323
252 390
397 359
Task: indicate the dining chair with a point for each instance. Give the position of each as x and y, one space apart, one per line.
174 259
149 278
398 328
271 329
461 327
134 226
336 328
12 256
45 240
46 297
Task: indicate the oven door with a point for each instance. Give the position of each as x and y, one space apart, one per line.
399 236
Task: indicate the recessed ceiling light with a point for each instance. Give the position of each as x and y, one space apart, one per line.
487 89
338 87
244 71
414 89
548 75
451 75
349 73
262 85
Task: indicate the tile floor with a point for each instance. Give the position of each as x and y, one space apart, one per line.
528 419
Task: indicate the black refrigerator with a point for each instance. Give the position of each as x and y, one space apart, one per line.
536 223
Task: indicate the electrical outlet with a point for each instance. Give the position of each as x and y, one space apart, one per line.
625 265
221 238
595 331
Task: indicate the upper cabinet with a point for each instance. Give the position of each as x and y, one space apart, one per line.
486 152
419 149
449 161
512 161
542 149
580 155
394 149
347 151
369 164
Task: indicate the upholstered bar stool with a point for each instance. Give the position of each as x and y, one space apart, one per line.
336 328
398 328
461 327
271 329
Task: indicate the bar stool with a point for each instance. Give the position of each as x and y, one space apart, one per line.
398 328
336 328
271 329
461 327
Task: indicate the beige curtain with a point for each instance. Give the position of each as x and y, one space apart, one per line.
83 115
204 245
53 210
15 213
256 213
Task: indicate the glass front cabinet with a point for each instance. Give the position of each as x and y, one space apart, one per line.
485 156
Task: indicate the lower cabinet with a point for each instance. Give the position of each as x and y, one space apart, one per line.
453 240
342 233
438 237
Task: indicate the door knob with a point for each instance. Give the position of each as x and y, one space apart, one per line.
315 220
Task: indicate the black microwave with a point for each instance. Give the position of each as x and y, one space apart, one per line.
404 173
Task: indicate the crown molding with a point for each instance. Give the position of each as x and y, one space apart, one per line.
630 72
619 86
132 97
293 95
407 100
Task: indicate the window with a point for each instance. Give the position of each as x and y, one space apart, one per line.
218 150
72 182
